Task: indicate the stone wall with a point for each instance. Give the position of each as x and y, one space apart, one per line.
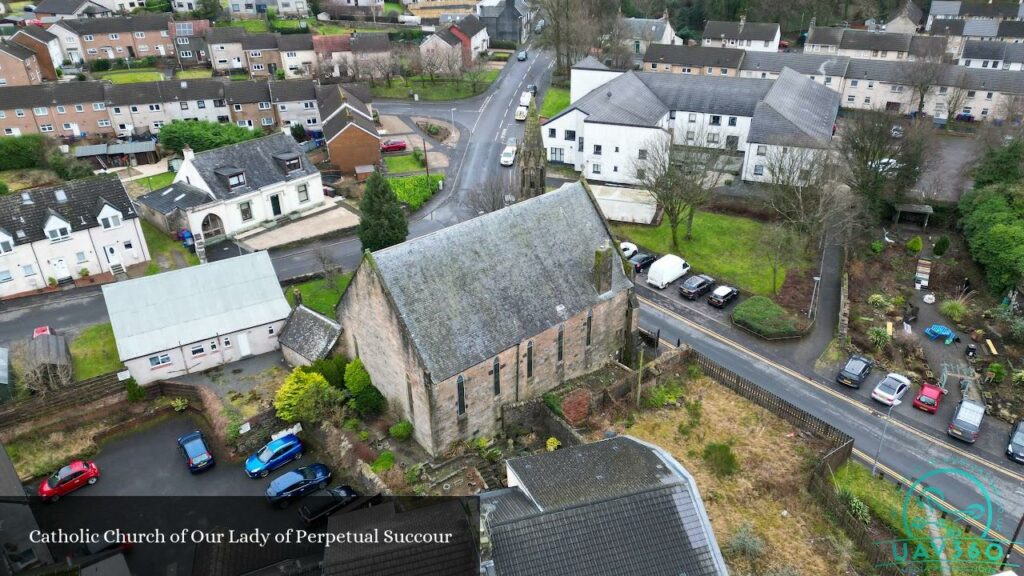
534 416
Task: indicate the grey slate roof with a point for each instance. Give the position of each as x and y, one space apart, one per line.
930 47
222 297
330 98
83 205
255 158
460 308
294 42
123 148
624 100
804 63
945 8
60 6
164 91
15 50
292 90
710 94
309 334
985 49
1011 29
981 28
951 75
796 112
750 31
370 42
226 35
37 32
137 23
590 63
470 25
699 56
448 37
177 196
644 28
911 11
247 92
867 40
995 9
51 94
262 41
948 27
825 36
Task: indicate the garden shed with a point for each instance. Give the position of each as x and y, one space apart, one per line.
49 361
307 336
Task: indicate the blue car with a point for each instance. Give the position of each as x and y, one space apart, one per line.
297 483
274 455
197 455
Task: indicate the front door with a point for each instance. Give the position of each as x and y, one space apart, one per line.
112 256
243 345
60 268
275 205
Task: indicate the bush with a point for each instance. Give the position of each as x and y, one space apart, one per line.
941 245
694 410
766 318
879 337
417 155
352 424
384 462
332 369
502 44
746 543
553 402
877 246
203 135
857 508
878 302
1000 166
135 392
552 444
304 396
993 225
998 371
80 77
955 310
363 397
401 430
179 404
18 152
433 129
4 189
413 473
414 191
721 459
663 394
915 245
68 168
101 65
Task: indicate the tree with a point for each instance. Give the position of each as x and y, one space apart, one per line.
573 28
956 96
475 76
305 396
780 247
299 133
363 396
922 78
804 193
208 9
877 163
382 221
330 269
202 135
496 193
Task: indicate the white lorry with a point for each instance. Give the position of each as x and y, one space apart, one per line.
666 270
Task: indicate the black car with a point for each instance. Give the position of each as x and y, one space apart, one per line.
532 89
855 371
641 262
323 503
1015 449
696 286
722 295
195 451
297 483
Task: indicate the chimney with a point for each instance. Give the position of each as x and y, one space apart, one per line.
187 154
743 21
603 267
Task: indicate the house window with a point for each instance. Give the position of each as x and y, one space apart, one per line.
988 96
220 103
19 113
5 276
460 388
140 34
762 149
46 127
590 324
263 105
723 71
597 149
693 117
201 104
267 121
114 36
570 135
79 108
184 105
270 330
227 341
238 107
851 98
236 180
87 38
529 359
971 93
256 54
59 234
282 107
198 350
159 360
28 270
716 120
690 134
111 222
307 105
97 106
154 107
6 246
258 67
551 132
182 41
186 53
497 376
712 138
128 245
182 28
596 169
246 210
117 109
867 99
213 346
561 342
871 84
854 83
81 258
828 80
39 111
312 121
732 120
642 154
290 54
60 110
711 70
303 193
758 170
967 63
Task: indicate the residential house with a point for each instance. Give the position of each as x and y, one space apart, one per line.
262 54
953 32
44 45
350 134
992 11
823 39
54 233
167 207
506 20
442 52
59 109
307 336
249 104
190 42
231 309
681 59
295 102
298 57
874 44
62 9
198 99
640 33
137 109
588 74
226 51
992 55
577 506
827 70
257 8
792 128
119 37
473 35
333 54
754 36
18 65
249 183
448 351
368 49
908 19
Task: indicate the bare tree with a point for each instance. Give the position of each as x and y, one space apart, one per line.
780 247
616 46
923 77
699 165
475 76
803 190
1012 108
330 269
573 27
36 374
955 96
431 63
452 62
496 193
873 156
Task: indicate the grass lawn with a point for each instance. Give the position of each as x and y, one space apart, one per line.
393 7
156 182
288 24
440 90
40 454
94 352
721 247
27 178
162 244
249 25
414 190
130 76
187 74
318 295
238 77
402 163
335 29
763 316
555 100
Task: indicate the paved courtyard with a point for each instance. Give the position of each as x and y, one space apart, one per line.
332 218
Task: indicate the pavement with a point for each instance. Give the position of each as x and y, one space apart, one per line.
241 376
334 216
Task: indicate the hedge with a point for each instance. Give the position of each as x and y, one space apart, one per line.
17 152
414 190
766 318
502 44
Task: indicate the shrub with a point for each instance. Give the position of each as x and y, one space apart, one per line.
304 396
179 404
764 317
1018 377
332 369
385 461
364 435
553 402
998 371
433 129
745 543
84 272
413 473
351 424
993 225
857 508
417 155
17 152
68 168
203 135
552 444
401 430
363 397
663 394
502 44
234 429
877 246
135 392
878 301
298 131
693 371
879 337
280 74
694 410
915 245
941 245
101 65
721 459
955 310
4 189
80 77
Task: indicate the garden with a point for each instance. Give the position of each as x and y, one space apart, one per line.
436 88
130 76
401 163
94 352
321 294
414 191
555 100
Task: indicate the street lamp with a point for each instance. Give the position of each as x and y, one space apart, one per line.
453 119
888 417
814 292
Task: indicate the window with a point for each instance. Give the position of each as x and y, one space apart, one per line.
596 169
114 36
723 71
238 107
851 98
227 341
712 138
590 322
41 111
103 123
896 88
186 53
970 93
220 103
732 120
642 154
263 105
66 126
988 96
154 107
158 124
303 193
184 105
60 110
267 121
854 83
828 80
255 54
46 127
758 170
28 270
182 28
182 41
127 245
307 105
246 210
716 120
691 134
570 135
871 84
579 147
312 121
213 345
6 246
561 342
159 360
259 67
140 34
5 276
551 132
81 258
529 359
79 108
762 149
97 106
290 54
133 108
91 51
693 118
117 109
236 180
201 104
640 174
87 38
19 113
867 99
460 388
597 149
711 70
270 330
967 63
110 222
58 234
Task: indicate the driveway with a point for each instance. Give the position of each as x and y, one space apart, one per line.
944 177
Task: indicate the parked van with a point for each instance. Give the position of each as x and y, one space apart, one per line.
966 423
525 99
667 270
521 113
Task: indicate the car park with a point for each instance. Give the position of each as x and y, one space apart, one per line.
721 296
929 398
75 475
855 371
196 452
392 146
274 455
641 262
696 286
891 389
521 113
628 249
295 484
323 503
1015 449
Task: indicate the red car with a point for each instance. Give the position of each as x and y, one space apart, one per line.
392 146
68 479
42 331
928 398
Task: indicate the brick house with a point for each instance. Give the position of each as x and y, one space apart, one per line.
58 109
295 102
348 128
44 45
18 65
249 104
455 324
121 37
262 53
189 42
226 52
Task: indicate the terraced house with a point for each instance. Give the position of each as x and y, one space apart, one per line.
18 65
58 109
120 37
44 45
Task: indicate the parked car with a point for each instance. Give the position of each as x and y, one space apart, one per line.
1015 449
508 156
696 286
897 131
641 262
521 113
526 98
522 55
722 295
967 419
891 389
928 398
855 371
667 270
274 455
885 165
42 331
196 452
532 89
68 479
392 146
297 483
323 503
628 249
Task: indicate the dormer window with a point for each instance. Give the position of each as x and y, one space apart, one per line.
236 180
110 222
26 198
289 161
6 246
58 234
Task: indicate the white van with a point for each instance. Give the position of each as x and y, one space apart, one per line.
521 113
525 99
666 270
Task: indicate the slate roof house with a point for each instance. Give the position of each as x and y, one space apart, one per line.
680 59
449 337
307 336
167 208
992 55
62 9
57 232
874 44
608 508
828 70
754 36
18 65
907 19
222 312
348 128
641 33
506 20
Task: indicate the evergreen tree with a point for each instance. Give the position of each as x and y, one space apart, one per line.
382 223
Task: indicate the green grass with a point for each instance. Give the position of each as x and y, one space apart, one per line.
763 316
414 190
281 24
156 182
722 246
335 29
187 74
22 178
555 100
393 7
317 295
499 57
440 90
94 352
162 244
130 76
402 163
238 77
249 25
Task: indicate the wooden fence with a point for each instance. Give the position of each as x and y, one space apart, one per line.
40 406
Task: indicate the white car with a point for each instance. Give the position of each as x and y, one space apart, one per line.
521 113
508 156
886 165
526 98
891 389
628 249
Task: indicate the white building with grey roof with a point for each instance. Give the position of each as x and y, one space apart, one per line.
753 36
